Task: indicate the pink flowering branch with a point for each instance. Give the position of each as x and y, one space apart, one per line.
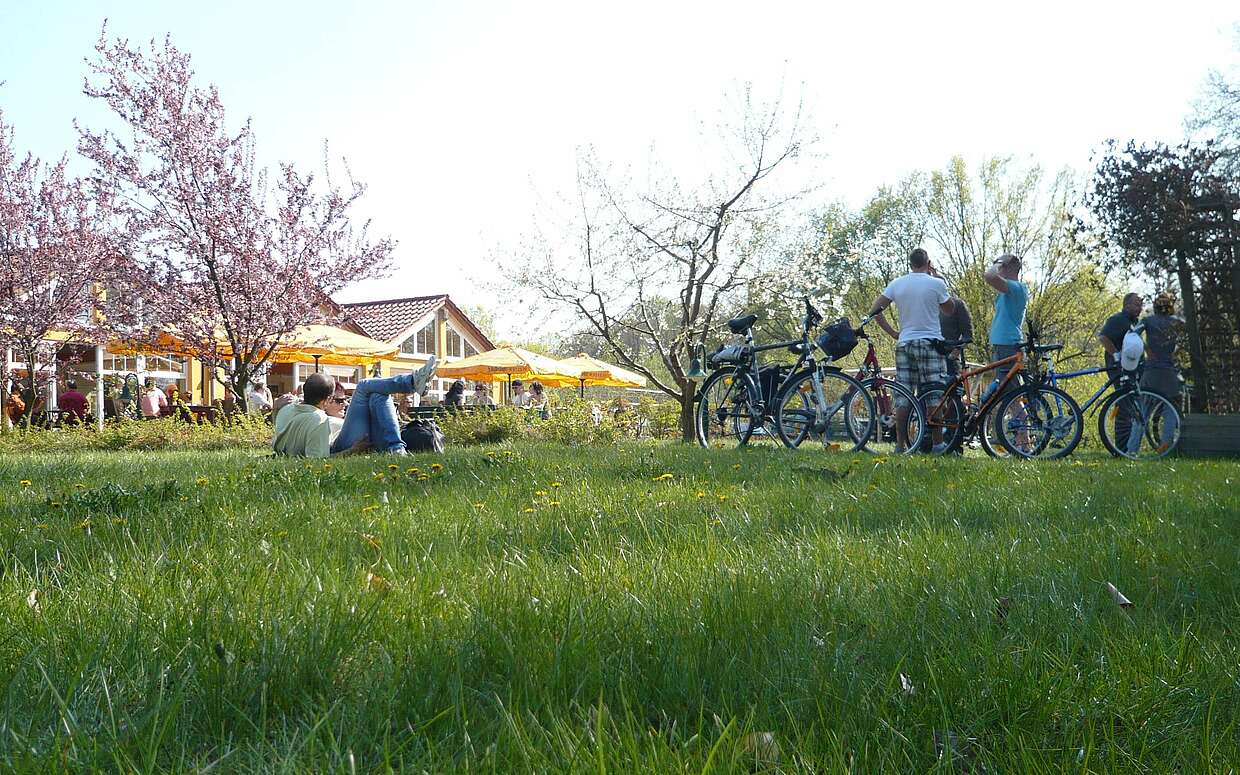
225 264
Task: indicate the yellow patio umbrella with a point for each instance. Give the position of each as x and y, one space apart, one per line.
596 373
332 345
513 363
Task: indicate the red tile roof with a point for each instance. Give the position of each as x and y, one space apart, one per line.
384 320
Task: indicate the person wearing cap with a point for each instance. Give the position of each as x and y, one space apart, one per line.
520 398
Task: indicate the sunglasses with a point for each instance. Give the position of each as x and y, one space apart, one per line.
339 400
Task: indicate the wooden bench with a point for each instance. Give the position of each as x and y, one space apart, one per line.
1210 435
431 412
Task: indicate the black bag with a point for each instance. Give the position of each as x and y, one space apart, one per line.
770 377
423 436
838 339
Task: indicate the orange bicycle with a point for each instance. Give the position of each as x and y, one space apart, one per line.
1028 417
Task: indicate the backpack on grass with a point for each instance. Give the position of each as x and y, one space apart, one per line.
423 436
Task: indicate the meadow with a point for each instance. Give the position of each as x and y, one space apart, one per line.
636 607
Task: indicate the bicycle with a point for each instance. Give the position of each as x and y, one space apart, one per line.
1030 418
1154 421
886 393
809 401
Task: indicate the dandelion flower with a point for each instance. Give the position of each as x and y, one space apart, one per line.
736 466
25 483
411 471
701 494
369 508
480 505
556 484
84 524
393 467
436 466
554 503
662 477
118 520
527 510
202 481
540 493
423 477
722 498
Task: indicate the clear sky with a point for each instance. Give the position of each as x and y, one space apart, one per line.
460 116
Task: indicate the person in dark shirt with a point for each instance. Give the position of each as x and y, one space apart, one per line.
1112 338
72 403
956 325
1113 330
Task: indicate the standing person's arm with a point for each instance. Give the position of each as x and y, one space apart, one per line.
876 311
994 279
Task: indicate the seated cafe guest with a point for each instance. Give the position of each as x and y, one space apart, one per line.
72 404
153 401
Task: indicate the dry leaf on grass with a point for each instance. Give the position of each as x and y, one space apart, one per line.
32 600
906 685
1118 597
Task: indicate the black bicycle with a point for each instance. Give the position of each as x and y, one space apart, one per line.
811 400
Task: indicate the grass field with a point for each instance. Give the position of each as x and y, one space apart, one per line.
653 608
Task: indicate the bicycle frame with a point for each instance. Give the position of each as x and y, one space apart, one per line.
961 381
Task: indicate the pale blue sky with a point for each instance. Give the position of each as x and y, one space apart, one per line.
459 115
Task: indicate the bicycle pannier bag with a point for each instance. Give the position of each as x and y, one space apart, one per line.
838 339
423 436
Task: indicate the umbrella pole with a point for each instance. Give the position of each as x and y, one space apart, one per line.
582 389
316 363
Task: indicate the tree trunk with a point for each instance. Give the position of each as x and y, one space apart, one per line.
688 420
1199 399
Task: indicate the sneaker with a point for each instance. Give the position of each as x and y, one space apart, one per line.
940 448
423 375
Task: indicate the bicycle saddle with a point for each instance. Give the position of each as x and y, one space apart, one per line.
742 324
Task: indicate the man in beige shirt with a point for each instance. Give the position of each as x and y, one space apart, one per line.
307 429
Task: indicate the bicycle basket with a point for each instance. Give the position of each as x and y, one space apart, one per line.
838 339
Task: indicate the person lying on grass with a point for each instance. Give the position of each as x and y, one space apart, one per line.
308 429
372 413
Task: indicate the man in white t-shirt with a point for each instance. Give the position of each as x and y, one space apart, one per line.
920 296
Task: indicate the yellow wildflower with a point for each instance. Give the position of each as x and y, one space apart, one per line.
371 507
556 484
540 493
25 483
436 466
722 498
736 466
480 505
202 481
662 477
554 503
412 471
118 520
393 467
701 494
84 524
527 510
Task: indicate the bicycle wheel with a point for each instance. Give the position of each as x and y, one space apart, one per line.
945 418
1038 421
827 407
1138 426
988 436
726 416
884 436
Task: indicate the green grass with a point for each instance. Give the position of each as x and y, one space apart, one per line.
227 612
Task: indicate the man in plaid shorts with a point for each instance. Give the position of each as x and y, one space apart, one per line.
920 296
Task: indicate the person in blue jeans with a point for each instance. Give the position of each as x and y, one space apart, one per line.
372 413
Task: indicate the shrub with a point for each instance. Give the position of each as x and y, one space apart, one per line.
240 432
503 424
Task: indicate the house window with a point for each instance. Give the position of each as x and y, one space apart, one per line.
421 343
454 346
469 349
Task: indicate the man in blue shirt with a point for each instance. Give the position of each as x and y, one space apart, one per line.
1004 276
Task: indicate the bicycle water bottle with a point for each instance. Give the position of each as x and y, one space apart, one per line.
989 391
